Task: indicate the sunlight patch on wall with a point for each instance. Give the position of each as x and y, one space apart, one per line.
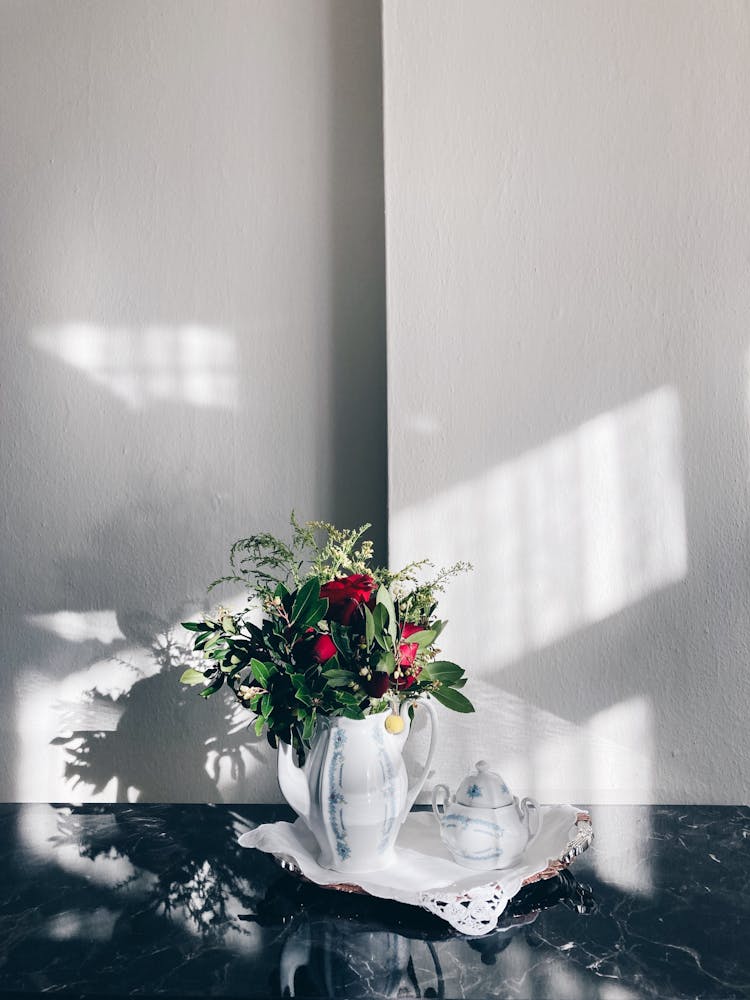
564 535
188 364
80 626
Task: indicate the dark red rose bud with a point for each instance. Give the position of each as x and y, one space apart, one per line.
322 649
345 595
378 685
408 650
314 648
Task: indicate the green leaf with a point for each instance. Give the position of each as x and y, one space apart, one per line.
383 597
213 687
255 632
194 626
266 706
307 598
353 712
259 724
193 677
385 600
424 638
379 618
348 698
338 678
387 663
320 611
215 638
437 627
302 690
453 699
227 623
443 670
380 621
339 634
309 727
369 626
281 591
261 672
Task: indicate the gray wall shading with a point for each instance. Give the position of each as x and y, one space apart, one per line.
192 323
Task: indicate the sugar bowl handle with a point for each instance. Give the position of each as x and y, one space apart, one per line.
436 802
529 810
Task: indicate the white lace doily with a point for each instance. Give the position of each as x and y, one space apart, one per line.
425 873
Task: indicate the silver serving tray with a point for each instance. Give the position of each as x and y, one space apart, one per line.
426 875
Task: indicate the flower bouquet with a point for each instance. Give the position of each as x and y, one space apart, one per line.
336 637
332 669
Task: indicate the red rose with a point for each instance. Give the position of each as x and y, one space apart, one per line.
322 649
344 596
311 650
408 650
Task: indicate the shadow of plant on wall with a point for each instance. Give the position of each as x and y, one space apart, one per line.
204 745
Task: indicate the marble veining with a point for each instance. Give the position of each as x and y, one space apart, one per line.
122 900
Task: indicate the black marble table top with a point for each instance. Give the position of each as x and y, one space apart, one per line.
160 900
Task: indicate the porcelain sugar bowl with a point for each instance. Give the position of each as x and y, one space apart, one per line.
483 825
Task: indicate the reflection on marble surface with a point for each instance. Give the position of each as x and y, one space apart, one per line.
121 900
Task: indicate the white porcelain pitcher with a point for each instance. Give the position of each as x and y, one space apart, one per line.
353 792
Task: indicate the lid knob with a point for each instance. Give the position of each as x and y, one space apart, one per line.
482 766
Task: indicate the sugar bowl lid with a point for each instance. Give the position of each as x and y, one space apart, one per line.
483 789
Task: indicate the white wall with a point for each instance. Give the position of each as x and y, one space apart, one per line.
567 220
192 338
192 330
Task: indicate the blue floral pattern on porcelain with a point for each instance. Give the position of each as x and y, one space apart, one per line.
336 799
483 825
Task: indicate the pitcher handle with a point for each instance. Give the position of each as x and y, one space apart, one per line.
416 786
